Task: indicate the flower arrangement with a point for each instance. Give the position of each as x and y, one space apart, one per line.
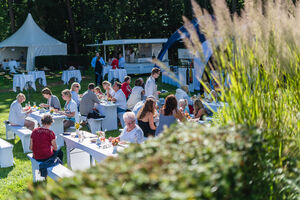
51 111
77 126
115 141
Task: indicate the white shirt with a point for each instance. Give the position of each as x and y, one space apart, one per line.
75 97
134 136
181 94
138 107
151 88
16 114
72 107
135 96
120 99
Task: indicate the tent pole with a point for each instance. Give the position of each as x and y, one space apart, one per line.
123 50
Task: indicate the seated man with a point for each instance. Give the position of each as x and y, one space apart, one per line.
132 132
88 100
17 114
119 98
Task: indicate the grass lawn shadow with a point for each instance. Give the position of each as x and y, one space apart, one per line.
5 171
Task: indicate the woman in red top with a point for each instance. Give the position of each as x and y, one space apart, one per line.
126 87
115 63
42 142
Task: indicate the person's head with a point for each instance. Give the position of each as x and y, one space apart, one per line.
155 72
149 106
47 120
170 105
75 87
185 88
47 93
66 95
129 119
91 87
98 90
117 86
21 98
106 85
138 82
198 105
127 79
97 54
182 103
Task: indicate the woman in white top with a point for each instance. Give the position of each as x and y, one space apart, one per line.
136 94
70 110
132 132
75 92
108 89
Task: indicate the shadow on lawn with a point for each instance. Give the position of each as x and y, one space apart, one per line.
5 171
18 149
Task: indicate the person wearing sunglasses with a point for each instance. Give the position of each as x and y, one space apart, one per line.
75 87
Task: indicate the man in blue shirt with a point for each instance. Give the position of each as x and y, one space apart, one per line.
93 63
121 61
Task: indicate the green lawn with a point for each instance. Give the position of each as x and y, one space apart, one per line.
15 179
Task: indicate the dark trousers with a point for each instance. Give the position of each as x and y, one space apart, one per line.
98 78
57 153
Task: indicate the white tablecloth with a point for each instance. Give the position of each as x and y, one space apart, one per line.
39 75
57 127
110 113
117 73
213 106
105 70
68 74
86 145
20 80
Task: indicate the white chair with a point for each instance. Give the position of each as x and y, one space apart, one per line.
6 154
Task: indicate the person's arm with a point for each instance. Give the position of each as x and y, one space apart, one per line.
30 146
54 145
200 113
178 115
95 99
140 136
56 103
151 121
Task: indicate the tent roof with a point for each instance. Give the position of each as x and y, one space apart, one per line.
30 34
131 41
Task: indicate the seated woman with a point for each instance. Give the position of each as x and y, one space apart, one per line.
98 92
168 114
75 93
209 93
17 115
70 110
43 143
52 100
132 132
183 107
199 110
146 117
137 93
108 89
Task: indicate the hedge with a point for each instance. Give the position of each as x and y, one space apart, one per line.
62 62
186 162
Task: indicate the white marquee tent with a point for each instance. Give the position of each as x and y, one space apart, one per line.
35 40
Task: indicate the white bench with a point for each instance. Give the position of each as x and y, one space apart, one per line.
94 124
23 133
55 172
6 154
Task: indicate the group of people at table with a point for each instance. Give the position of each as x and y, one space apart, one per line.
141 113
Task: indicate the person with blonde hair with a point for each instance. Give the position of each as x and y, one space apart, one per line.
75 87
70 110
199 110
108 89
17 115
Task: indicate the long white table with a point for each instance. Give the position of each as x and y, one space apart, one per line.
57 127
98 153
109 110
213 106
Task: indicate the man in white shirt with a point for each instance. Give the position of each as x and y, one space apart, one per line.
121 61
119 98
151 87
17 114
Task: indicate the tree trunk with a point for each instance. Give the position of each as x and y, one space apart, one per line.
11 16
72 25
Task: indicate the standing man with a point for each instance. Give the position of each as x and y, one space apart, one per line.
98 72
121 61
151 87
93 63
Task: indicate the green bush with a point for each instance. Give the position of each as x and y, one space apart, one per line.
187 162
62 62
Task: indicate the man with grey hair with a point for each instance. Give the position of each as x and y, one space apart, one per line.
132 132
